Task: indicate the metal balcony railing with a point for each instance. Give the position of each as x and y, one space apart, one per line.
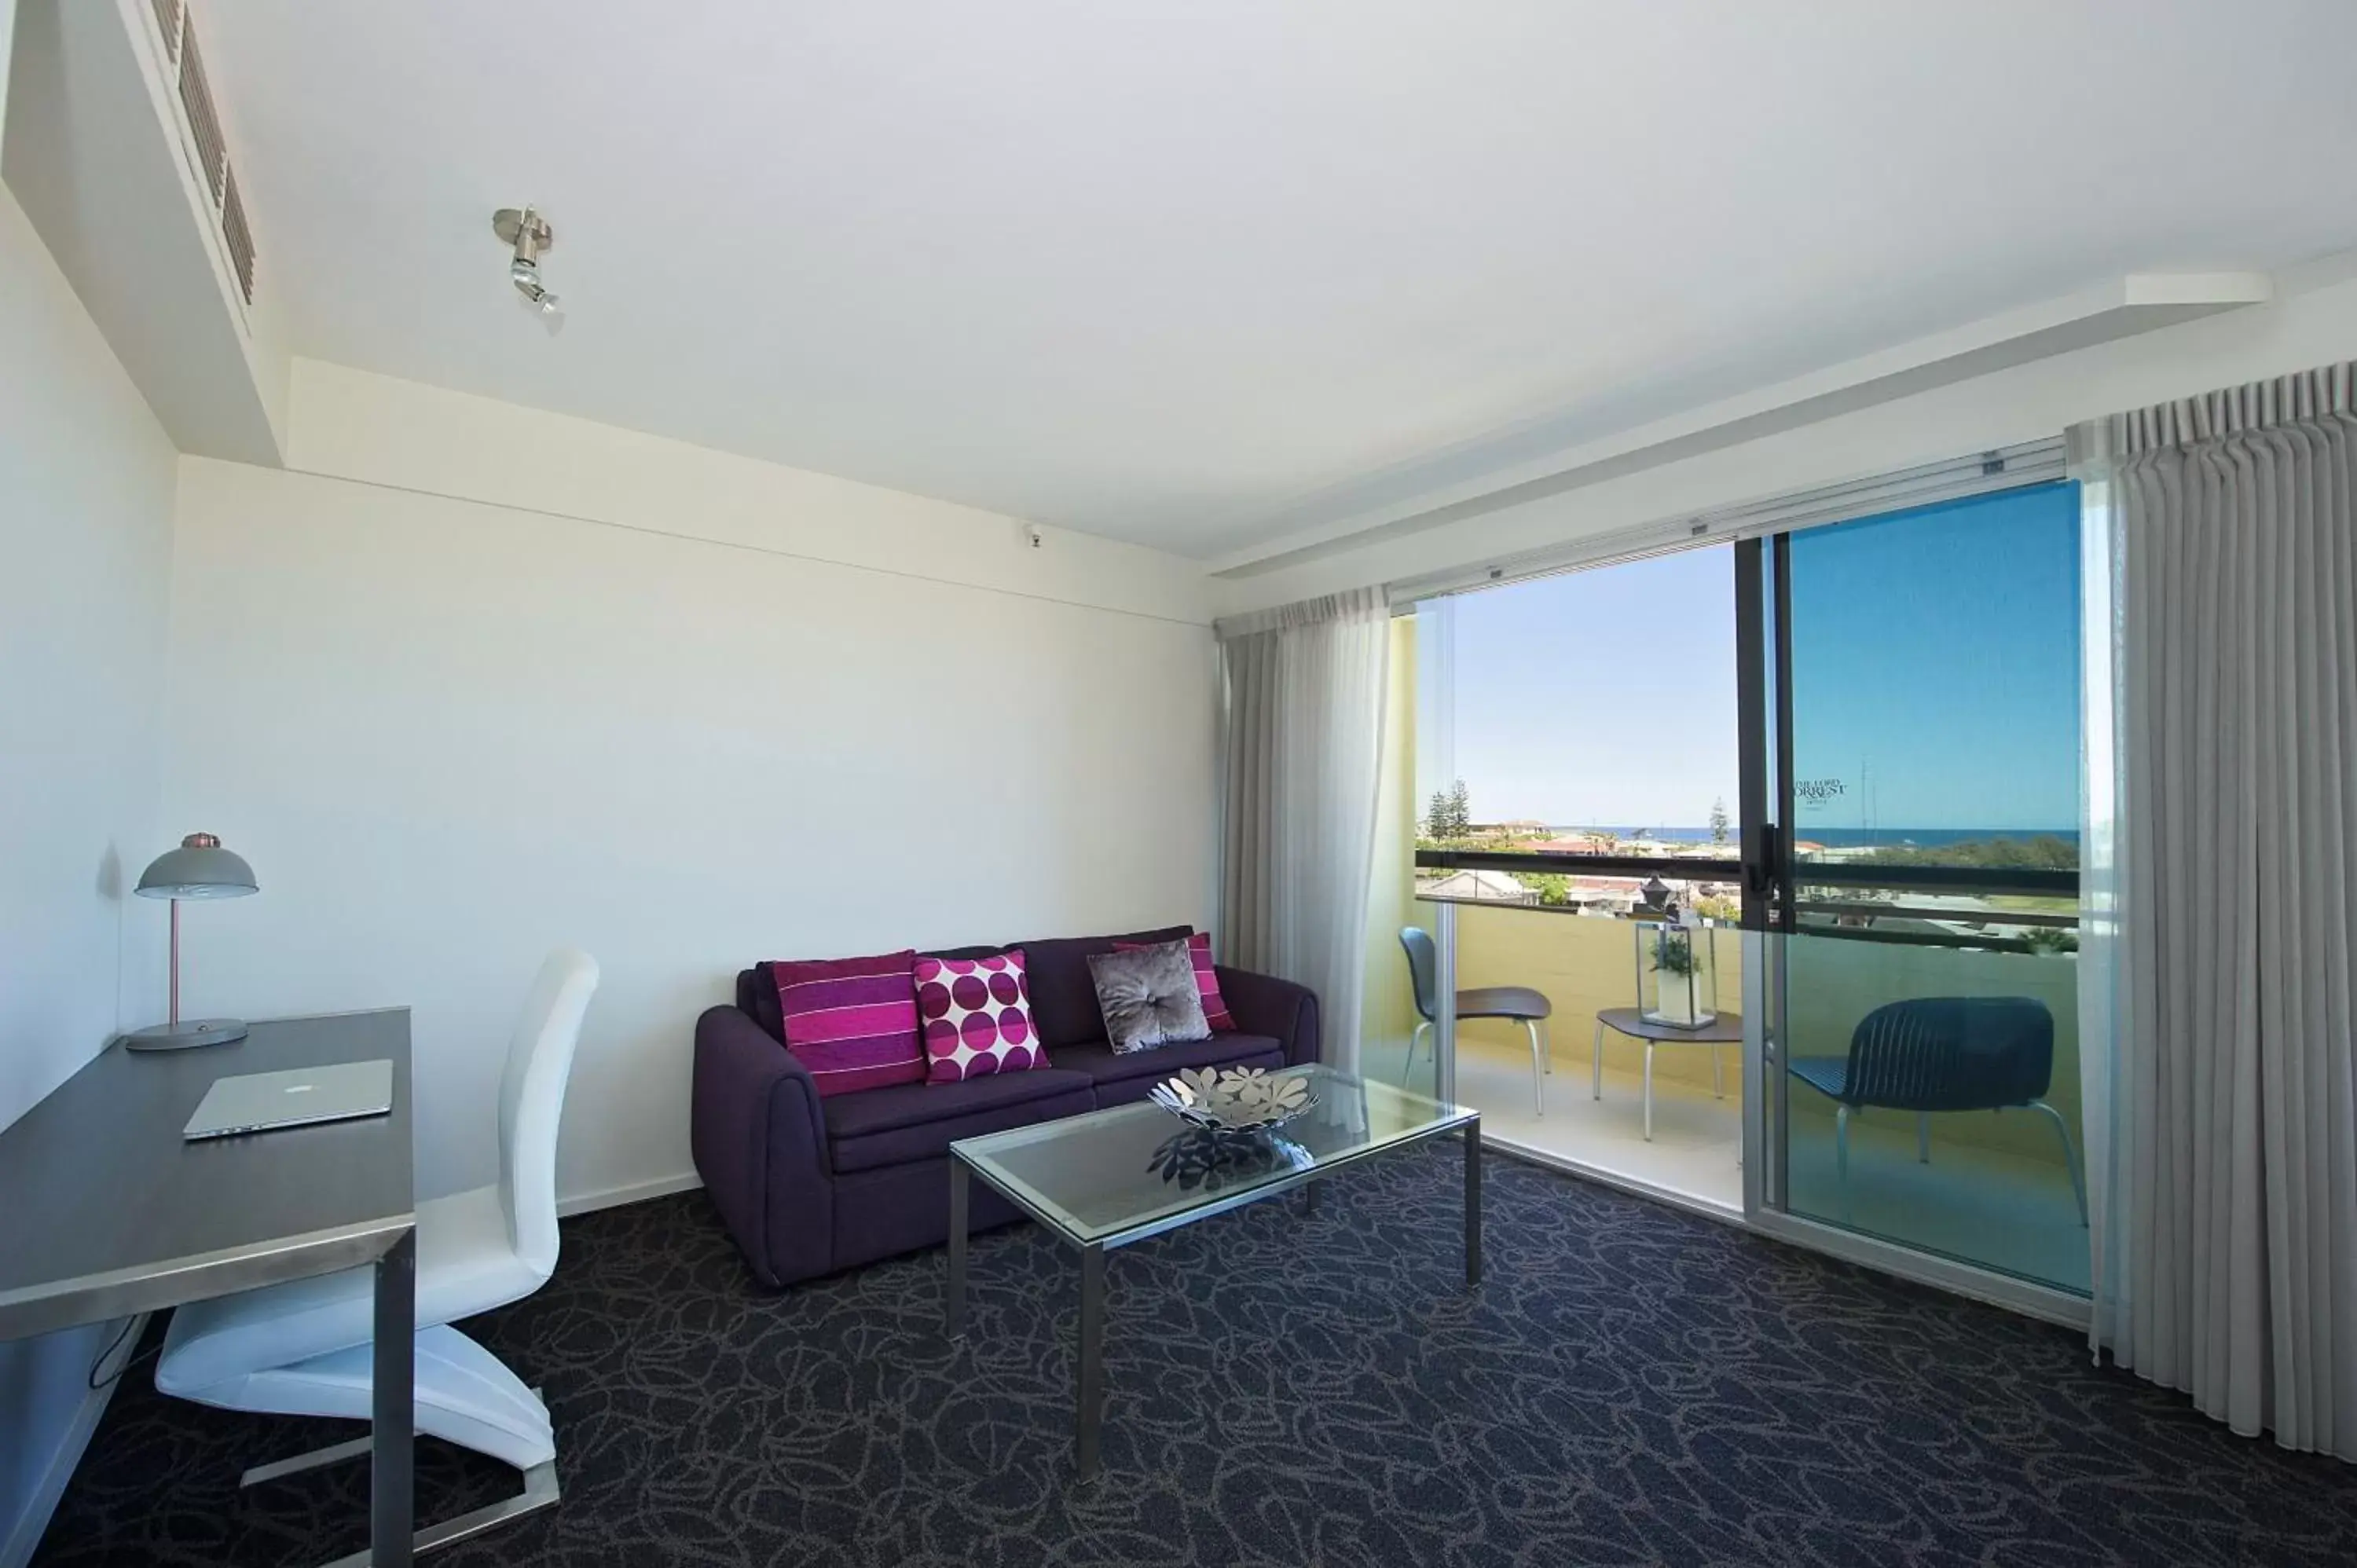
1817 907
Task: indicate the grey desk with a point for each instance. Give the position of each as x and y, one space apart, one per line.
112 1212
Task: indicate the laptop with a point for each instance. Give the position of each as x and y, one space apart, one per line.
263 1101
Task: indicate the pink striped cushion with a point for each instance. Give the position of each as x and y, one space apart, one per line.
1207 979
852 1021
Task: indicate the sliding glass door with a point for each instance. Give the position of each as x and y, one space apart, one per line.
1572 828
1880 933
1924 702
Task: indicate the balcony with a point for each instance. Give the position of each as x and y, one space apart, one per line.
1997 1188
1584 959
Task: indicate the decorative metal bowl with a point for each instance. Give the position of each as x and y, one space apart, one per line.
1234 1099
1213 1159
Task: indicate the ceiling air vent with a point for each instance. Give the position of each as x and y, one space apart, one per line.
201 137
167 22
238 238
204 125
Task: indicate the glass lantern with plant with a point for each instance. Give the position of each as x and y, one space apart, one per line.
1677 981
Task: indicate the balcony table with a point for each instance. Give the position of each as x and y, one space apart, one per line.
1726 1029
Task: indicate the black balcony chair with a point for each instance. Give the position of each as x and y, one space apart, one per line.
1943 1053
1526 1007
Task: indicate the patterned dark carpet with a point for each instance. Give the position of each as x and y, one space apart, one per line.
1629 1385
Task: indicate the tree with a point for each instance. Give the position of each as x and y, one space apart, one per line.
1718 821
1553 888
2038 853
1450 815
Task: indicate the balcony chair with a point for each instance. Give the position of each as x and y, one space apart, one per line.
1943 1053
303 1349
1526 1007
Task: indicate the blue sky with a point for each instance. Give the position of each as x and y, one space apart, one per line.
1935 668
1935 665
1604 696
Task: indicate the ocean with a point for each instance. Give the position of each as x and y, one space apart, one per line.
1846 838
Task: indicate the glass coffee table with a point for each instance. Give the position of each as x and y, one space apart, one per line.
1098 1181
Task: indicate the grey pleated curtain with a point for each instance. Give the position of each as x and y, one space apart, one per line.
2221 1110
1301 749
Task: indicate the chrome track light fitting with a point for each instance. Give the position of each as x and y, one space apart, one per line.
527 234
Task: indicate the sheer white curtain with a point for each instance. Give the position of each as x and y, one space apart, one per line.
2222 836
1301 752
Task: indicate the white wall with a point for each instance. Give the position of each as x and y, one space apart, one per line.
2313 321
86 492
451 733
8 49
364 427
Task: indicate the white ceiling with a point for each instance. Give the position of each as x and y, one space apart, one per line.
1202 273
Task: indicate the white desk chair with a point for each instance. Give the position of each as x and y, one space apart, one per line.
303 1347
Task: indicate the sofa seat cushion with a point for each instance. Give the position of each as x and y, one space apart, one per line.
920 1120
1122 1078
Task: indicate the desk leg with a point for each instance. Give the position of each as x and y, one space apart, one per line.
392 1430
953 1309
1092 1360
1473 1201
1596 1064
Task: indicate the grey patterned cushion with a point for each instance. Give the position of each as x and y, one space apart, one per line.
1148 996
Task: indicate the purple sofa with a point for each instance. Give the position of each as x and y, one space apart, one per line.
809 1185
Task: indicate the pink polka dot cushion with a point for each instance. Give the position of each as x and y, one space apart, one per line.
975 1015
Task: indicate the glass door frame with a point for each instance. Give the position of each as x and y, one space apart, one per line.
1763 869
1435 769
1760 606
1772 909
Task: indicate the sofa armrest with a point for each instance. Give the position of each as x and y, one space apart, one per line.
759 1142
1263 1004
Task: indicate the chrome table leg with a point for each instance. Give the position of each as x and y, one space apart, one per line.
1091 1415
1473 1201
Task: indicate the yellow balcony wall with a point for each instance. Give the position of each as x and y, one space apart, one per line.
1831 984
1583 963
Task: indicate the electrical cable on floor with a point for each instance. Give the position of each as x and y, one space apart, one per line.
136 1356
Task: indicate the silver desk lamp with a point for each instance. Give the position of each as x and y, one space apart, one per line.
200 868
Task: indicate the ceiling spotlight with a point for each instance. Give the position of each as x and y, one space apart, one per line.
529 233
